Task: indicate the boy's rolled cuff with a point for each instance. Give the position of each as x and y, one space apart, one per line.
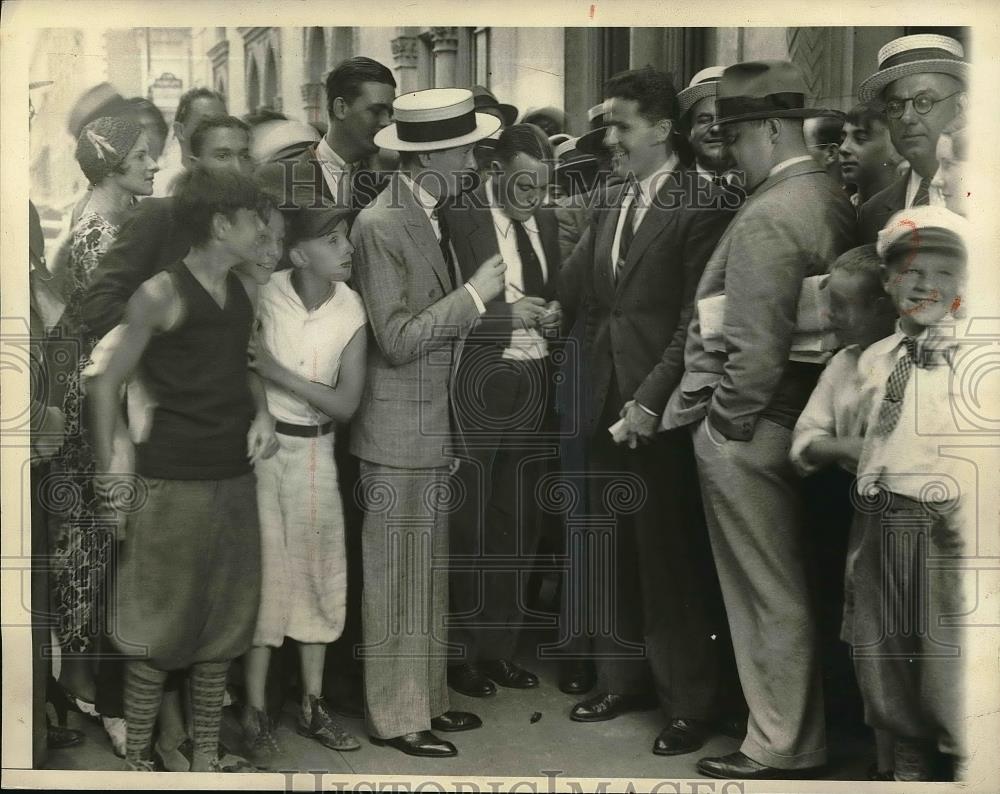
480 306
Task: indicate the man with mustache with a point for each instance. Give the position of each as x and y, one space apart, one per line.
634 274
921 79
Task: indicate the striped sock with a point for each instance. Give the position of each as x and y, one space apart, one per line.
208 687
143 692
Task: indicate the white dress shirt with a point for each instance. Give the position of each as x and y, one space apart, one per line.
913 459
335 169
933 192
524 342
647 192
428 203
309 343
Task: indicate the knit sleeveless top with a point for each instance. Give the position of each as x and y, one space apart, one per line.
197 377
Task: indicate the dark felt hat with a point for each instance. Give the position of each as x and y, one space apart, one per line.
762 90
485 101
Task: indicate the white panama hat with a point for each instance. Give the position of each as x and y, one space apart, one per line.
922 53
703 84
433 119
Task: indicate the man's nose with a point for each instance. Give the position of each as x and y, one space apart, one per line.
610 137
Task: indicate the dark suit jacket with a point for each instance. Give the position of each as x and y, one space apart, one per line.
875 213
792 226
306 186
148 241
473 236
636 327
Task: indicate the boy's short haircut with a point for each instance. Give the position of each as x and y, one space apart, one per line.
862 261
864 114
526 139
202 193
209 123
313 224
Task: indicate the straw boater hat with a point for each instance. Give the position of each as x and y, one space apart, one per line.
761 90
919 54
436 118
703 84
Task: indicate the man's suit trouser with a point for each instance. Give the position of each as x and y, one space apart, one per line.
405 598
754 513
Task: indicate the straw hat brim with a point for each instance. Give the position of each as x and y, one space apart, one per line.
593 142
690 97
575 161
872 87
486 125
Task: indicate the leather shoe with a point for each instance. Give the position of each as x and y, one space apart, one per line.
607 706
469 680
456 721
680 737
577 677
421 743
737 766
506 673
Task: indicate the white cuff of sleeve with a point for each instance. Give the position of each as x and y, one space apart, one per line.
480 306
651 413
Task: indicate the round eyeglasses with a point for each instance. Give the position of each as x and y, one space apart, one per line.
922 103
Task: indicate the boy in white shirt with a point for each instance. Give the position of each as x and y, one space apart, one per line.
908 503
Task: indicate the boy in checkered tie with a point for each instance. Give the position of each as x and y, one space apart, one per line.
907 644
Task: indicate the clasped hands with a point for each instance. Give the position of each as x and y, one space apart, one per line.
639 427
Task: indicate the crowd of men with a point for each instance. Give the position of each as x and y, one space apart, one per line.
547 375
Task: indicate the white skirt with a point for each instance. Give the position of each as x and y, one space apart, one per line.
303 559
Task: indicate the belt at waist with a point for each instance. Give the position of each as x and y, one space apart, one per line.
303 431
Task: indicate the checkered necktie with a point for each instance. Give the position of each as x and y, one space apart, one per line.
892 401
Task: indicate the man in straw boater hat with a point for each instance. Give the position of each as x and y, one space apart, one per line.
633 276
419 308
741 400
921 81
696 118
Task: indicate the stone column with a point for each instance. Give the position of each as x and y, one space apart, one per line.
291 62
445 56
404 63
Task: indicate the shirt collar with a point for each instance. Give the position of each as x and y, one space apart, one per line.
933 340
500 218
654 181
324 153
802 158
426 201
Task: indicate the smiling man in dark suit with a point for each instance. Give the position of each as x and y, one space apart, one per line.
635 272
503 404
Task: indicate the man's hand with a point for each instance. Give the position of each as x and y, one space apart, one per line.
639 423
261 440
262 362
551 321
488 279
527 312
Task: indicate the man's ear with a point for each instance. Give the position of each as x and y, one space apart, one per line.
339 108
884 275
773 129
963 102
424 158
220 226
832 153
663 129
296 257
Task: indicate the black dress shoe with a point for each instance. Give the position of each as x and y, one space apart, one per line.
577 678
607 706
680 737
469 680
506 673
421 743
452 721
737 766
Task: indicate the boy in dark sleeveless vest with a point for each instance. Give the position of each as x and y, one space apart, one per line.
189 570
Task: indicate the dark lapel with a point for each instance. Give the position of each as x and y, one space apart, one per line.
418 226
480 233
603 278
548 230
895 198
660 215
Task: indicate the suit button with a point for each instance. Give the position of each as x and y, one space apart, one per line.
432 293
618 312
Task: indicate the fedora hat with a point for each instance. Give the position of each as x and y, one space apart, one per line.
569 155
921 53
279 139
435 118
486 101
761 90
702 85
101 100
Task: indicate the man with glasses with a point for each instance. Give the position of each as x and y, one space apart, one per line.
921 81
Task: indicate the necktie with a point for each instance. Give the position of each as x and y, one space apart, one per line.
923 195
532 279
895 387
627 234
445 241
